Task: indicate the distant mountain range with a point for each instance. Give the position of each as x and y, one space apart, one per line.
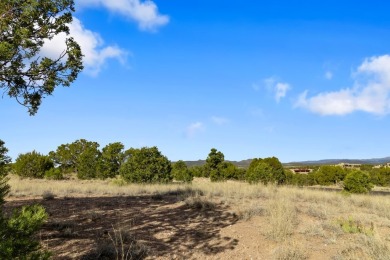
245 163
336 161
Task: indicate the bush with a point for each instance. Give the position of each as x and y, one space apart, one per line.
111 160
180 172
357 182
226 171
17 231
329 175
88 163
265 171
262 172
198 171
32 165
146 165
54 174
300 179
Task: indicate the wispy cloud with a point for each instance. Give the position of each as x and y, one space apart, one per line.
328 75
370 92
145 13
194 128
278 88
219 120
92 46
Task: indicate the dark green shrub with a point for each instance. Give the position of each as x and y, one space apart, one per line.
226 171
88 163
214 159
146 165
111 160
278 173
329 175
268 170
17 231
180 172
32 165
198 171
357 182
54 174
262 172
381 176
67 156
300 179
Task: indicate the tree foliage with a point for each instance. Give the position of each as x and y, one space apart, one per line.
180 172
211 168
17 231
111 160
17 234
4 160
259 171
357 181
300 179
328 174
266 170
88 161
214 159
146 165
32 165
68 156
25 73
198 171
381 176
226 171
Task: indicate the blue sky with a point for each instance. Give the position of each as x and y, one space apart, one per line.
288 79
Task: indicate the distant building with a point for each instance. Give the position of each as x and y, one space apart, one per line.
349 165
386 165
301 170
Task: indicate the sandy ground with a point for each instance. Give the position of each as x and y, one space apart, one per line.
170 229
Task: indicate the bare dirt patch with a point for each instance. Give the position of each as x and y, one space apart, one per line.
231 220
167 227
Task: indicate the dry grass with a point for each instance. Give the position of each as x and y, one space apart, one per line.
282 218
329 224
290 251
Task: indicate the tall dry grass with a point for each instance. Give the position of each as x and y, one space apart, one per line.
290 213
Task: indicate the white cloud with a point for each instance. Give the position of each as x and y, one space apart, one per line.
95 55
194 128
145 13
219 120
328 75
279 88
370 92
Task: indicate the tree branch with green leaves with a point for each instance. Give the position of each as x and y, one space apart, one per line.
25 26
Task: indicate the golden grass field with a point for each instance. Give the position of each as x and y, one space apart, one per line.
204 220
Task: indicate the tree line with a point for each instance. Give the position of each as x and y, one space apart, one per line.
149 165
138 165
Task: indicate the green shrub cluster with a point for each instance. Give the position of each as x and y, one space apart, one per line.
353 181
32 165
180 172
220 170
267 170
146 165
357 182
17 231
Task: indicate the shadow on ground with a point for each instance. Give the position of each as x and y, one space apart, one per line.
164 224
